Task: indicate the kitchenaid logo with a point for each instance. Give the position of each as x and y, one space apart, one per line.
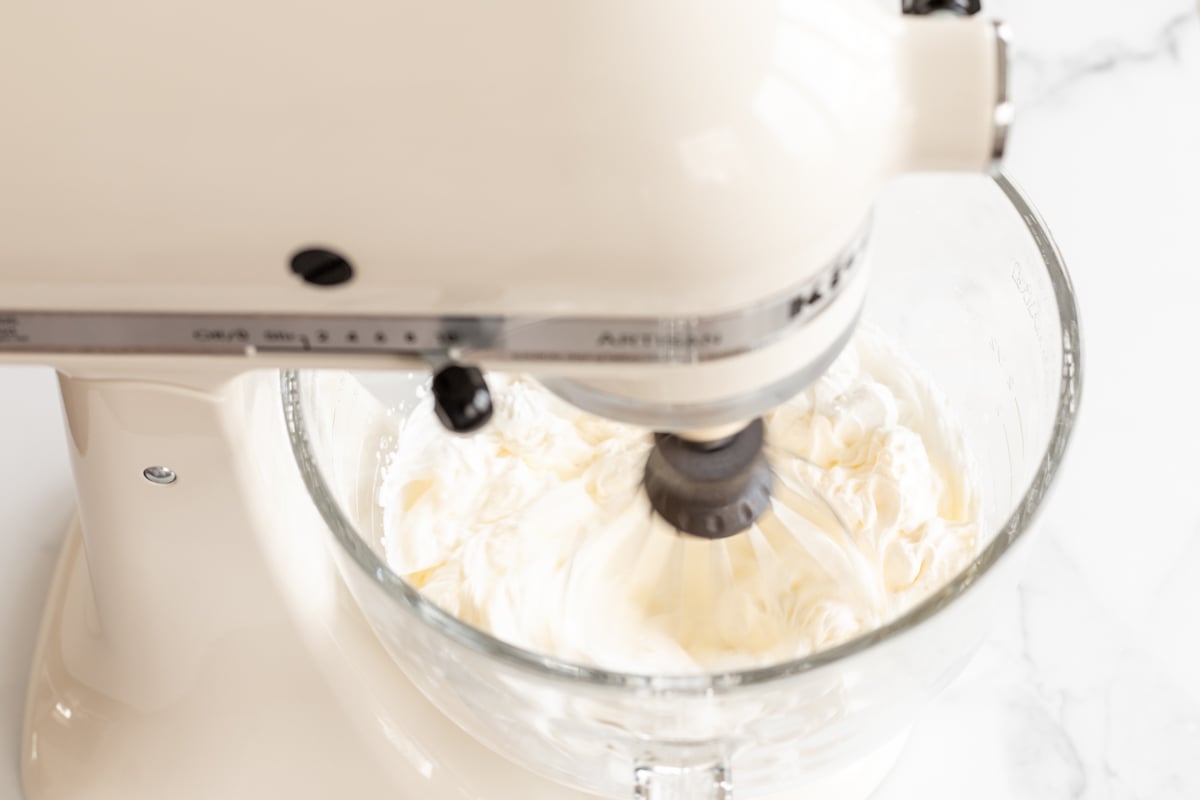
824 289
629 340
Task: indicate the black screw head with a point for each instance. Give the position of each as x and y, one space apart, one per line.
461 399
322 267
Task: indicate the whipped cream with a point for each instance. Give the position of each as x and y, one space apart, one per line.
536 530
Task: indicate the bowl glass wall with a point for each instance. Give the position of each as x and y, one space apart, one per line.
967 280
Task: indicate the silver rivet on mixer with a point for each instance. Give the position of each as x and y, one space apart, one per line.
160 475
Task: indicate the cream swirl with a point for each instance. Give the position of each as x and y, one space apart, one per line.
536 530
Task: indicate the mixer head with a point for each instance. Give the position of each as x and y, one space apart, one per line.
668 229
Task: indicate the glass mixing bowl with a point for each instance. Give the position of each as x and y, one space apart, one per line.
966 278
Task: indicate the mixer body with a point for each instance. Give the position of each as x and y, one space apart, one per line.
659 209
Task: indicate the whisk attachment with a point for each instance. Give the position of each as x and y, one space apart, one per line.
712 490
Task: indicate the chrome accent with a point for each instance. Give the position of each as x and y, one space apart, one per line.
683 340
164 476
1004 112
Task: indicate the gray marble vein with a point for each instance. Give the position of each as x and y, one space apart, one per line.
1050 76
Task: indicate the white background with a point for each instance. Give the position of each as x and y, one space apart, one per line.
1090 685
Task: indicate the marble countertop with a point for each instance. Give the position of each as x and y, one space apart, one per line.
1089 686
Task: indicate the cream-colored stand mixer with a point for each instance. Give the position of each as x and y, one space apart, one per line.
657 208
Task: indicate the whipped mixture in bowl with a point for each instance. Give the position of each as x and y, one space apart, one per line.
536 528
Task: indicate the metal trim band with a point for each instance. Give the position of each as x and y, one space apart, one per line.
634 340
1003 113
692 416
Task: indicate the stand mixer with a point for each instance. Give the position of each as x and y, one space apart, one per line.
661 211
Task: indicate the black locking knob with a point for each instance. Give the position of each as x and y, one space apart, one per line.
963 8
461 398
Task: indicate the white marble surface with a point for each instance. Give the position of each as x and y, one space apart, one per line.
1090 685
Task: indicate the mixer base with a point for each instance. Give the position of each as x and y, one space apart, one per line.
262 721
240 732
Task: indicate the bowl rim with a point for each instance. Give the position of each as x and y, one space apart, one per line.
1015 527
